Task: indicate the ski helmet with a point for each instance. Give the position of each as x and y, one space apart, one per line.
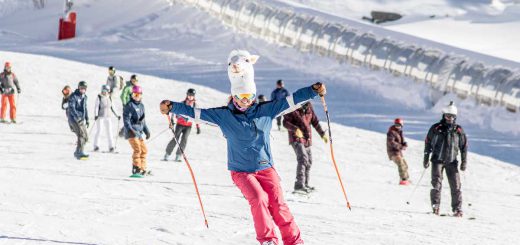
105 88
399 121
450 109
191 92
66 91
82 84
137 90
261 98
111 68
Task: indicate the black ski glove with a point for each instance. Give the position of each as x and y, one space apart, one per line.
463 165
198 130
19 91
147 134
95 118
426 162
87 123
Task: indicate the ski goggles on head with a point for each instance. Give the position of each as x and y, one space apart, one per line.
244 96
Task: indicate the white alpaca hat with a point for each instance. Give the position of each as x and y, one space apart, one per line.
242 82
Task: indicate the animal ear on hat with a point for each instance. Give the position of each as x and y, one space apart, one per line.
253 58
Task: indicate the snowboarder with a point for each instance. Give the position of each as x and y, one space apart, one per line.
298 124
126 95
184 125
444 141
113 81
102 113
395 145
136 130
279 94
78 118
8 83
246 126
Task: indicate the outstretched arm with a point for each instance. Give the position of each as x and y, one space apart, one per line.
210 115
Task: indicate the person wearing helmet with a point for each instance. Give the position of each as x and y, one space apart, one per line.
113 81
395 145
443 143
136 130
126 95
279 94
184 125
78 118
9 86
102 112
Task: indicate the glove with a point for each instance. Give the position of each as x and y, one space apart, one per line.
198 130
118 118
319 88
463 166
325 139
147 134
426 162
165 106
87 123
18 90
298 133
95 118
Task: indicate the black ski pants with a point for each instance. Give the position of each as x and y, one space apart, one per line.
179 129
452 172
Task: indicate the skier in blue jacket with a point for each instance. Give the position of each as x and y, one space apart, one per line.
246 126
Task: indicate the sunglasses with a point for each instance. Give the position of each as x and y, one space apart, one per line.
244 96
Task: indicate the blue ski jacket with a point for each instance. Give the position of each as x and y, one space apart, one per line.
77 109
133 119
279 94
247 133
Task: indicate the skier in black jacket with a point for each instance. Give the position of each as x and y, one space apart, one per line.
442 145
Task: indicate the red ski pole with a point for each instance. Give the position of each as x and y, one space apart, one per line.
191 171
332 151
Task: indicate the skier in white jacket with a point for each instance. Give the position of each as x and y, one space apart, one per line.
103 117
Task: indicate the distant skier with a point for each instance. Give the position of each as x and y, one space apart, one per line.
102 111
246 125
9 86
113 81
78 118
135 131
298 124
184 125
395 144
279 94
261 98
444 141
126 95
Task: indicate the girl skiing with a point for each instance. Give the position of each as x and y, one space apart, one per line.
135 129
102 111
246 126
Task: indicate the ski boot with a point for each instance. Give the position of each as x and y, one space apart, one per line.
81 156
310 188
300 189
3 121
136 172
458 213
111 149
166 157
13 121
96 149
178 158
404 182
435 209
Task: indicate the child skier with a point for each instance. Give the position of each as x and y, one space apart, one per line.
183 127
135 129
246 126
102 113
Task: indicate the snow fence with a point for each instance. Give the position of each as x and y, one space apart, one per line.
445 73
